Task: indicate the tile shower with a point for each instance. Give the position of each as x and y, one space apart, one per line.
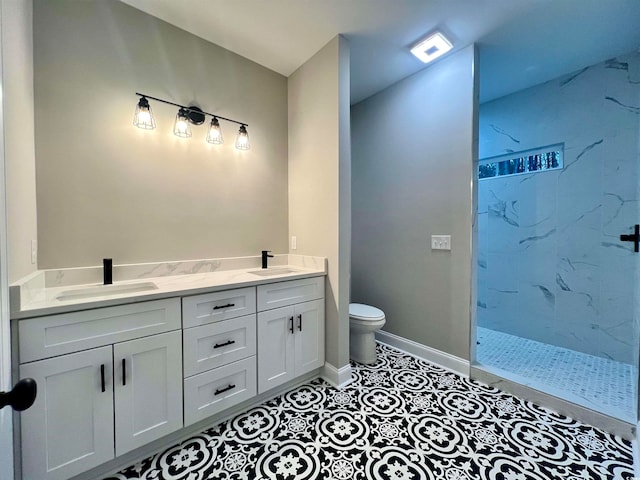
551 267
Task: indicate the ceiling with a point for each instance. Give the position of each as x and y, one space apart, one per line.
522 42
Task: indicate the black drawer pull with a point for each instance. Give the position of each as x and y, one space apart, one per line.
218 307
124 372
228 342
300 322
102 378
291 324
225 389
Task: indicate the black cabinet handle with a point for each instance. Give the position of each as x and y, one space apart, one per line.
218 307
228 342
299 322
102 378
291 324
124 372
225 389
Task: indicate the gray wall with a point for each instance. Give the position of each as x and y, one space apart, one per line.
412 151
551 266
108 189
320 180
17 65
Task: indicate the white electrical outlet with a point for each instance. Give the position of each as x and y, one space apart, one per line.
34 251
294 242
440 242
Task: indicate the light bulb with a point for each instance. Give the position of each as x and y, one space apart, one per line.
181 128
242 140
214 135
143 117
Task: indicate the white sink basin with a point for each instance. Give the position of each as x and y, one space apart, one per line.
268 272
105 290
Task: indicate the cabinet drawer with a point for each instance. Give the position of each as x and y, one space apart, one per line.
275 295
45 337
217 344
213 307
211 392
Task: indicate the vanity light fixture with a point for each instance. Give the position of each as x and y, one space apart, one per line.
186 117
214 135
181 128
143 117
242 140
432 47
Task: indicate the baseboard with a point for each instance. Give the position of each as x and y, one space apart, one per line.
445 360
338 377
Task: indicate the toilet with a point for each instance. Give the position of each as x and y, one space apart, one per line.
364 322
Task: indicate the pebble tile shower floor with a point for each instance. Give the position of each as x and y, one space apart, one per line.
594 382
400 419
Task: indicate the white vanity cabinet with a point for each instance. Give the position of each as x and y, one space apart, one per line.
113 379
109 397
291 337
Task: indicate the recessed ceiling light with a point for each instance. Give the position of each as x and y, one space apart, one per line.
432 47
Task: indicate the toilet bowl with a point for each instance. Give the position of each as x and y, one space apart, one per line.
364 322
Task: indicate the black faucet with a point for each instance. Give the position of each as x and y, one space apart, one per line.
265 255
107 271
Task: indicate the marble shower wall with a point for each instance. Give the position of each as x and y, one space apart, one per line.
551 266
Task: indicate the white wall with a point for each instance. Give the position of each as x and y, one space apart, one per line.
319 179
108 189
413 150
551 266
18 201
17 59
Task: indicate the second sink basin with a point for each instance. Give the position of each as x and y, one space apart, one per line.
268 272
105 290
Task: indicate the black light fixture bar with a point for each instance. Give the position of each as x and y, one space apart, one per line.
191 109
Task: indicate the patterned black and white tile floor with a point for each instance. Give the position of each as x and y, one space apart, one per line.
400 419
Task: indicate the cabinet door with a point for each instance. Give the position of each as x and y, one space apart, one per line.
148 389
69 428
309 336
275 348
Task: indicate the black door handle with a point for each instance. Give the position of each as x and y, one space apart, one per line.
124 372
291 324
300 322
102 378
21 396
634 237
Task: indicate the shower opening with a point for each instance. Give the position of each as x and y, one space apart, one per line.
557 291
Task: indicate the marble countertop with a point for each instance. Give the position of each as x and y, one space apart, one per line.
48 292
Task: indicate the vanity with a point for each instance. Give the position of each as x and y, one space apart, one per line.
119 367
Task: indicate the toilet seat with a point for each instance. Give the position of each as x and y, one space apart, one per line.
365 313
